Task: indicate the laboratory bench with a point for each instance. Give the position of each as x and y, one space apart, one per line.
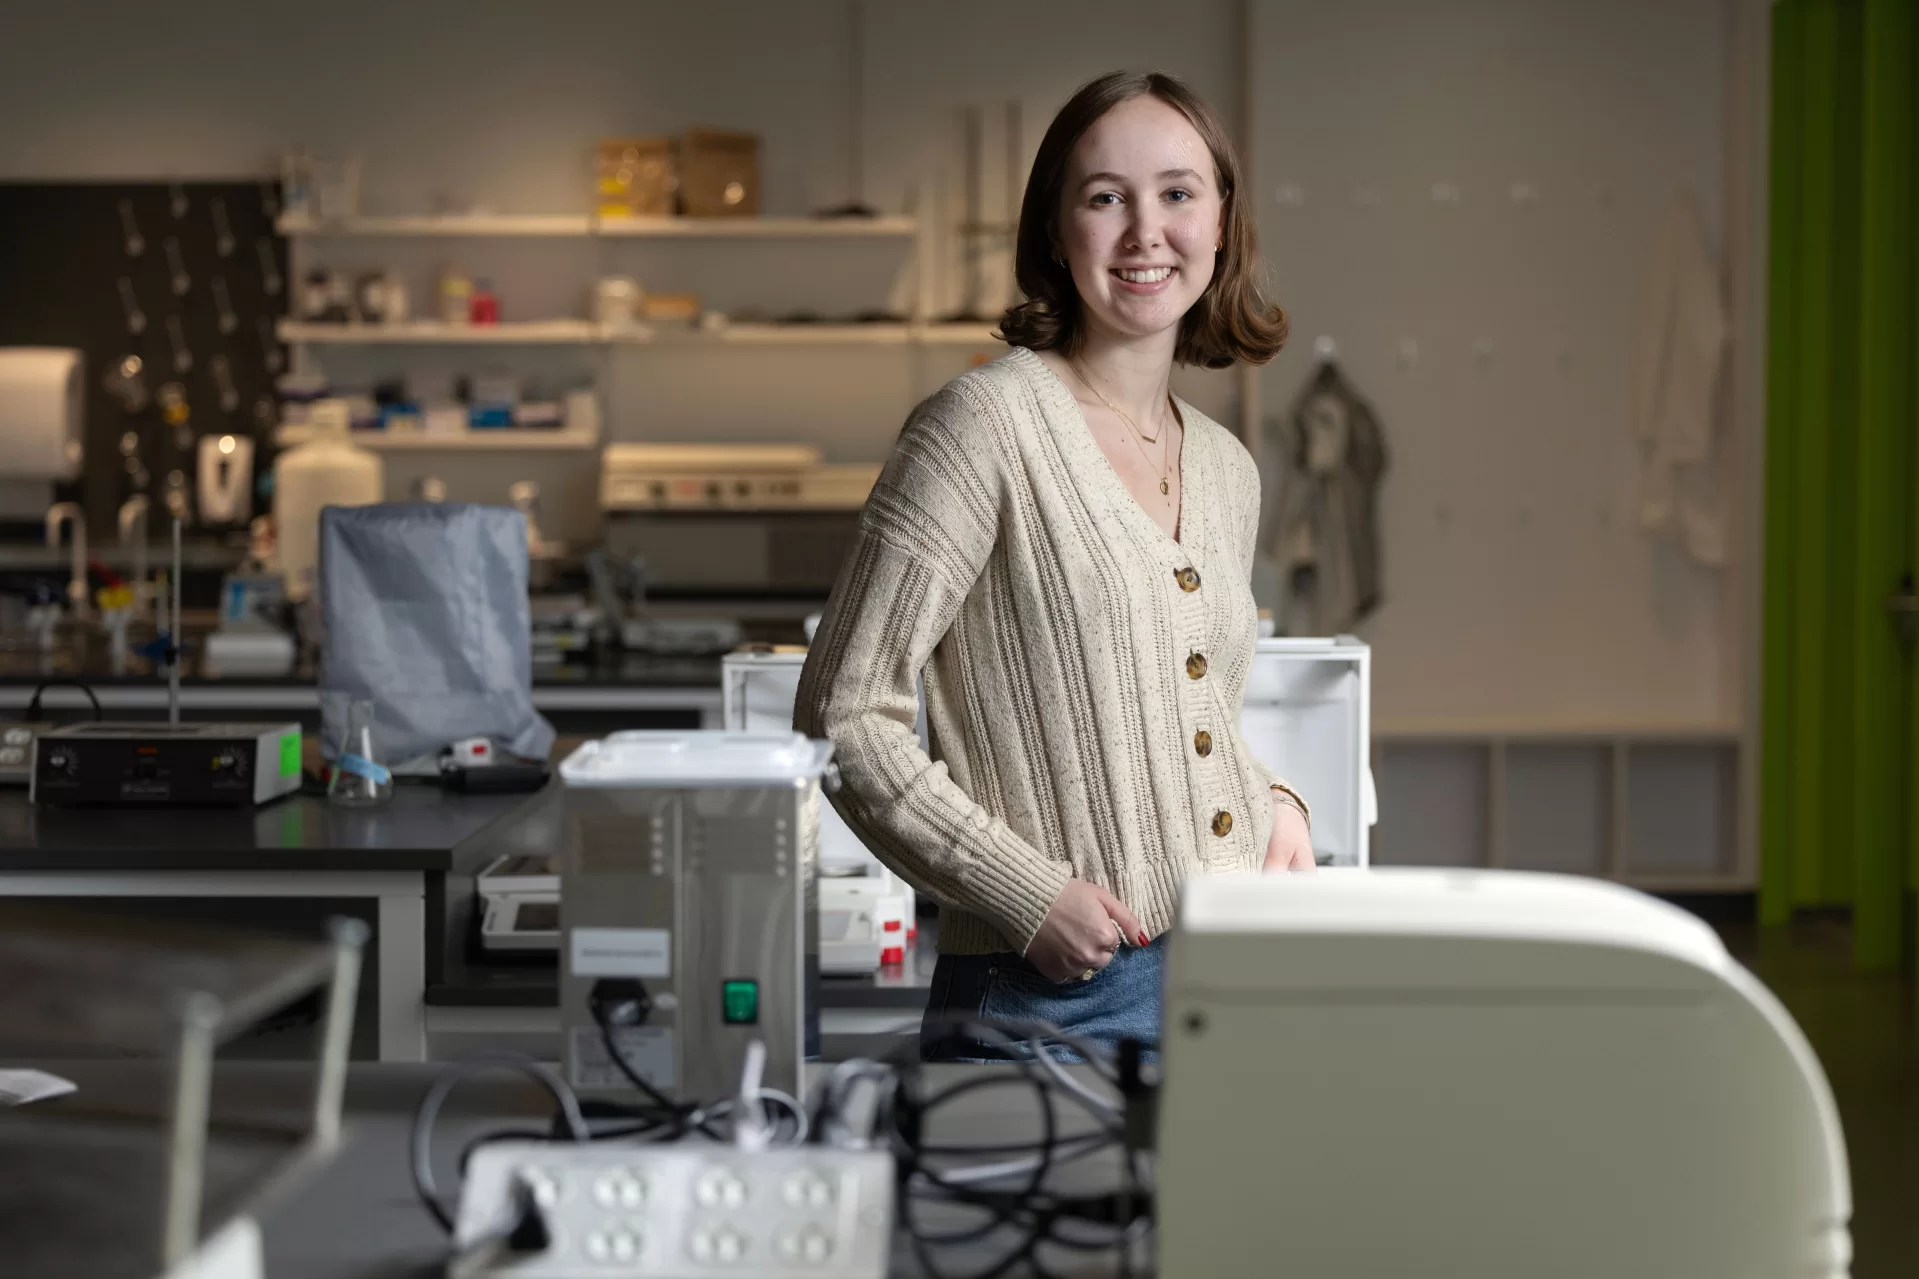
286 866
596 696
407 869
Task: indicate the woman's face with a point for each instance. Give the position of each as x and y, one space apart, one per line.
1139 218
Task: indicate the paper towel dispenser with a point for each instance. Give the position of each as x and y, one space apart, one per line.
42 412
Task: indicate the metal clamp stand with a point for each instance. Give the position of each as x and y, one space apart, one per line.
170 655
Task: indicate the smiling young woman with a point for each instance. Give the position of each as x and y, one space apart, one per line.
1222 318
1062 550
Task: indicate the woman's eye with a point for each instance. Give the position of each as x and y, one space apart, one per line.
1179 195
1106 197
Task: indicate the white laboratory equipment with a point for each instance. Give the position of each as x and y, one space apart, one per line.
867 917
687 864
1308 715
520 903
329 469
1486 1073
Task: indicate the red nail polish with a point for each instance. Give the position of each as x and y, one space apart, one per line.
1142 938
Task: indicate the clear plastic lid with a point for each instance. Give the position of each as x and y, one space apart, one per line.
696 759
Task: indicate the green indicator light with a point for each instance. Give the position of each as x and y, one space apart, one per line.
740 1003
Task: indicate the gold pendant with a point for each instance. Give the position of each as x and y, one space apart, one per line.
1162 487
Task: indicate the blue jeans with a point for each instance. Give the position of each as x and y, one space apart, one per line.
1120 1001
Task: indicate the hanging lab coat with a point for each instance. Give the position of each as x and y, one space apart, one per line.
1679 342
1325 540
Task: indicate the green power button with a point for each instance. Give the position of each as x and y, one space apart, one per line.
740 1003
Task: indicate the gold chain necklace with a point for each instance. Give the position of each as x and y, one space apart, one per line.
1165 465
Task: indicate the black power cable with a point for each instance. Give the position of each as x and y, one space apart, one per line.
420 1143
1036 1217
1036 1214
33 703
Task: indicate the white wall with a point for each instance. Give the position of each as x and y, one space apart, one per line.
452 103
1518 588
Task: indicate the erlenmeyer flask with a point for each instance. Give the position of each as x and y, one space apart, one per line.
359 780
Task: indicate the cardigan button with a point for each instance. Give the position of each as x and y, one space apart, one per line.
1195 665
1203 743
1188 579
1222 823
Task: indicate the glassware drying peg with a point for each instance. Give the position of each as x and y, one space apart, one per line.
223 305
270 279
1291 194
177 267
269 344
136 318
177 338
222 231
136 243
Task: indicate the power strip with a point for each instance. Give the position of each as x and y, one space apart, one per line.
680 1212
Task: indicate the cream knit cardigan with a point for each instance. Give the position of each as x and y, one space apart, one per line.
1068 671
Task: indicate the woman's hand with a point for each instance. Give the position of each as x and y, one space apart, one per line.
1082 931
1290 847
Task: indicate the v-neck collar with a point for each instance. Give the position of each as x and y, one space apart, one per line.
1093 471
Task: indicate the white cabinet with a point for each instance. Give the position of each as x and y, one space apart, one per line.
1308 714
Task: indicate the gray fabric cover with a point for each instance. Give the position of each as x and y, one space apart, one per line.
424 611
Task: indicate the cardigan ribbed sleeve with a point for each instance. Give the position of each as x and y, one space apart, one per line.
924 538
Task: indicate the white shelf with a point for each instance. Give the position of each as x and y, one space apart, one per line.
431 333
540 224
758 228
838 335
502 439
586 333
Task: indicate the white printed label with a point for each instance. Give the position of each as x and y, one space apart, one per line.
647 1050
622 952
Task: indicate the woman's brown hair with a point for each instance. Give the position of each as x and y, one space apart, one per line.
1229 323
